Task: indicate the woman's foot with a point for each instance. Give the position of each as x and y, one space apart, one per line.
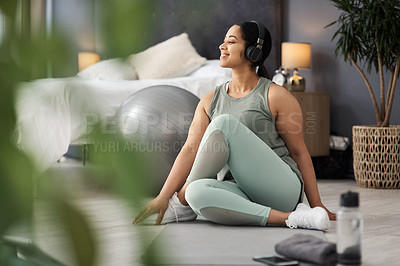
176 212
310 218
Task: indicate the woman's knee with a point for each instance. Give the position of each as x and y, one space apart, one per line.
223 118
225 122
194 194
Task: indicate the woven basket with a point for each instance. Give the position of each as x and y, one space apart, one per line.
376 156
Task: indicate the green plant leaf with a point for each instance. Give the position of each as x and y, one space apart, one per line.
80 233
363 28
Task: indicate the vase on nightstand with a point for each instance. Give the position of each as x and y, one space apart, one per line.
297 82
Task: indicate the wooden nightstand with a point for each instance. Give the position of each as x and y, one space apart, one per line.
316 121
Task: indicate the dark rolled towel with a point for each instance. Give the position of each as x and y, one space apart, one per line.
307 248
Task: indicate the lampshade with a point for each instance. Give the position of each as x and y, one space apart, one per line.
296 55
86 59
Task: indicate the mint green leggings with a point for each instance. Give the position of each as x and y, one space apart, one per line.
262 179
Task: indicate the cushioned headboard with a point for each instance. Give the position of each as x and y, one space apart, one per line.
207 21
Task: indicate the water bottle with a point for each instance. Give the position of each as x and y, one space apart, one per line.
349 229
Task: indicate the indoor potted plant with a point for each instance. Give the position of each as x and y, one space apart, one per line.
368 34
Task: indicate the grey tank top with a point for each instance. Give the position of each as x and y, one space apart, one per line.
252 110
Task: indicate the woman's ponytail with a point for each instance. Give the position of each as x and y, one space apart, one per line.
262 72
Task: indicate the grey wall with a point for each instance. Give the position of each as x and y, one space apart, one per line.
304 21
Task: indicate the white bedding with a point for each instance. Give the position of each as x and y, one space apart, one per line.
54 113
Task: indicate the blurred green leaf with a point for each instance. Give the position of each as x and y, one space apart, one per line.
15 189
125 25
15 168
80 233
9 8
128 170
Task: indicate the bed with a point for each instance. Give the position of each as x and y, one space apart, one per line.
54 113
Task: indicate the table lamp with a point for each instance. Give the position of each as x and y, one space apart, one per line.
296 55
86 59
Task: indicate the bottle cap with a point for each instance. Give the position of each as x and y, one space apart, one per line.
349 199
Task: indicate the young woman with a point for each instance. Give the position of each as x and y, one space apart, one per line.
253 128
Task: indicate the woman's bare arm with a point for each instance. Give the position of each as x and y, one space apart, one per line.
183 162
289 123
185 159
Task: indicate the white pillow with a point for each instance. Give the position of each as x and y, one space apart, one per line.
113 69
174 57
211 69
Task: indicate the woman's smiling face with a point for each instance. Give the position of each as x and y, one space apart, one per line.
233 49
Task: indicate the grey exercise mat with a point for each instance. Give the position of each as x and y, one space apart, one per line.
205 243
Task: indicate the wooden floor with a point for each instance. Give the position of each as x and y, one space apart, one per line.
120 243
381 212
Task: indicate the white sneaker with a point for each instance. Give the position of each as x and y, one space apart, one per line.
176 212
310 218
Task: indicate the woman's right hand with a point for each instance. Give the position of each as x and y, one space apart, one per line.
159 204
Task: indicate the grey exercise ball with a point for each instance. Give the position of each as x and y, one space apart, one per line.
155 121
